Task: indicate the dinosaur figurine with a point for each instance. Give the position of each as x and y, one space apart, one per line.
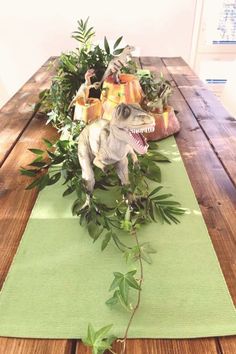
116 64
106 142
83 91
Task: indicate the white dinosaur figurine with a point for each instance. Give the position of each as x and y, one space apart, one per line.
83 91
106 142
116 64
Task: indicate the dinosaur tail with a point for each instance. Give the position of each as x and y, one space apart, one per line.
71 104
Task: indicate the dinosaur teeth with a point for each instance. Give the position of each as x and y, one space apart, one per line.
142 130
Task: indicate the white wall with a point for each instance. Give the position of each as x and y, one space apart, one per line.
31 31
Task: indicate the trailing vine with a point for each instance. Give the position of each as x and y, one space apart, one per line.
126 209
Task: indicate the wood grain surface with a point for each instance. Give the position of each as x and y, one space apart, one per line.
16 114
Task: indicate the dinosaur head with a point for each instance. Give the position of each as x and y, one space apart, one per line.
128 49
128 123
89 73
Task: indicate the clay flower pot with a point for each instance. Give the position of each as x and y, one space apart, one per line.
89 111
128 91
166 124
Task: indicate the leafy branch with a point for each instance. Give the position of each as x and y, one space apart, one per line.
83 34
134 234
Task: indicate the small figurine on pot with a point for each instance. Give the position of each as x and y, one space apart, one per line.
157 93
83 92
86 108
116 64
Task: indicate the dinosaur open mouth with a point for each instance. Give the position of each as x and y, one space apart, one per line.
139 142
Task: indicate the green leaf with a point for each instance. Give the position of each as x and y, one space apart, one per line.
55 178
106 240
155 191
38 164
51 154
132 282
39 158
58 159
91 334
122 301
154 173
124 289
118 51
48 143
106 46
151 211
158 157
118 243
68 191
117 42
116 281
153 145
36 151
101 333
113 300
162 196
94 230
30 173
98 340
166 202
63 145
76 207
36 106
44 182
146 249
40 182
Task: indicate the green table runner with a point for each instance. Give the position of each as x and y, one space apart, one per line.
59 280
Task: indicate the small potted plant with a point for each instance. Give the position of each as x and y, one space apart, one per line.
127 91
89 111
157 93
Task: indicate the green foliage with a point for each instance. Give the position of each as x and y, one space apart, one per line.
129 207
122 284
143 250
70 70
99 340
157 92
83 34
130 68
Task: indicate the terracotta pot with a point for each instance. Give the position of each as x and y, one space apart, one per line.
128 91
89 111
166 124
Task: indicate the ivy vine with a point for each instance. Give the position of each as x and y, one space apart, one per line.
127 208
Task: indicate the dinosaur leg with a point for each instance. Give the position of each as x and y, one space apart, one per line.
87 175
122 171
97 162
123 174
116 77
133 156
102 152
134 159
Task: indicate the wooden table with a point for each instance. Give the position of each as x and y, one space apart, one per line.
207 143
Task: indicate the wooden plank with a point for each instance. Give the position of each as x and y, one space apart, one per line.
16 205
32 346
216 122
228 345
213 187
16 114
161 346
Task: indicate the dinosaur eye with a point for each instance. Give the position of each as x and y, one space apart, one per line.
119 109
126 111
